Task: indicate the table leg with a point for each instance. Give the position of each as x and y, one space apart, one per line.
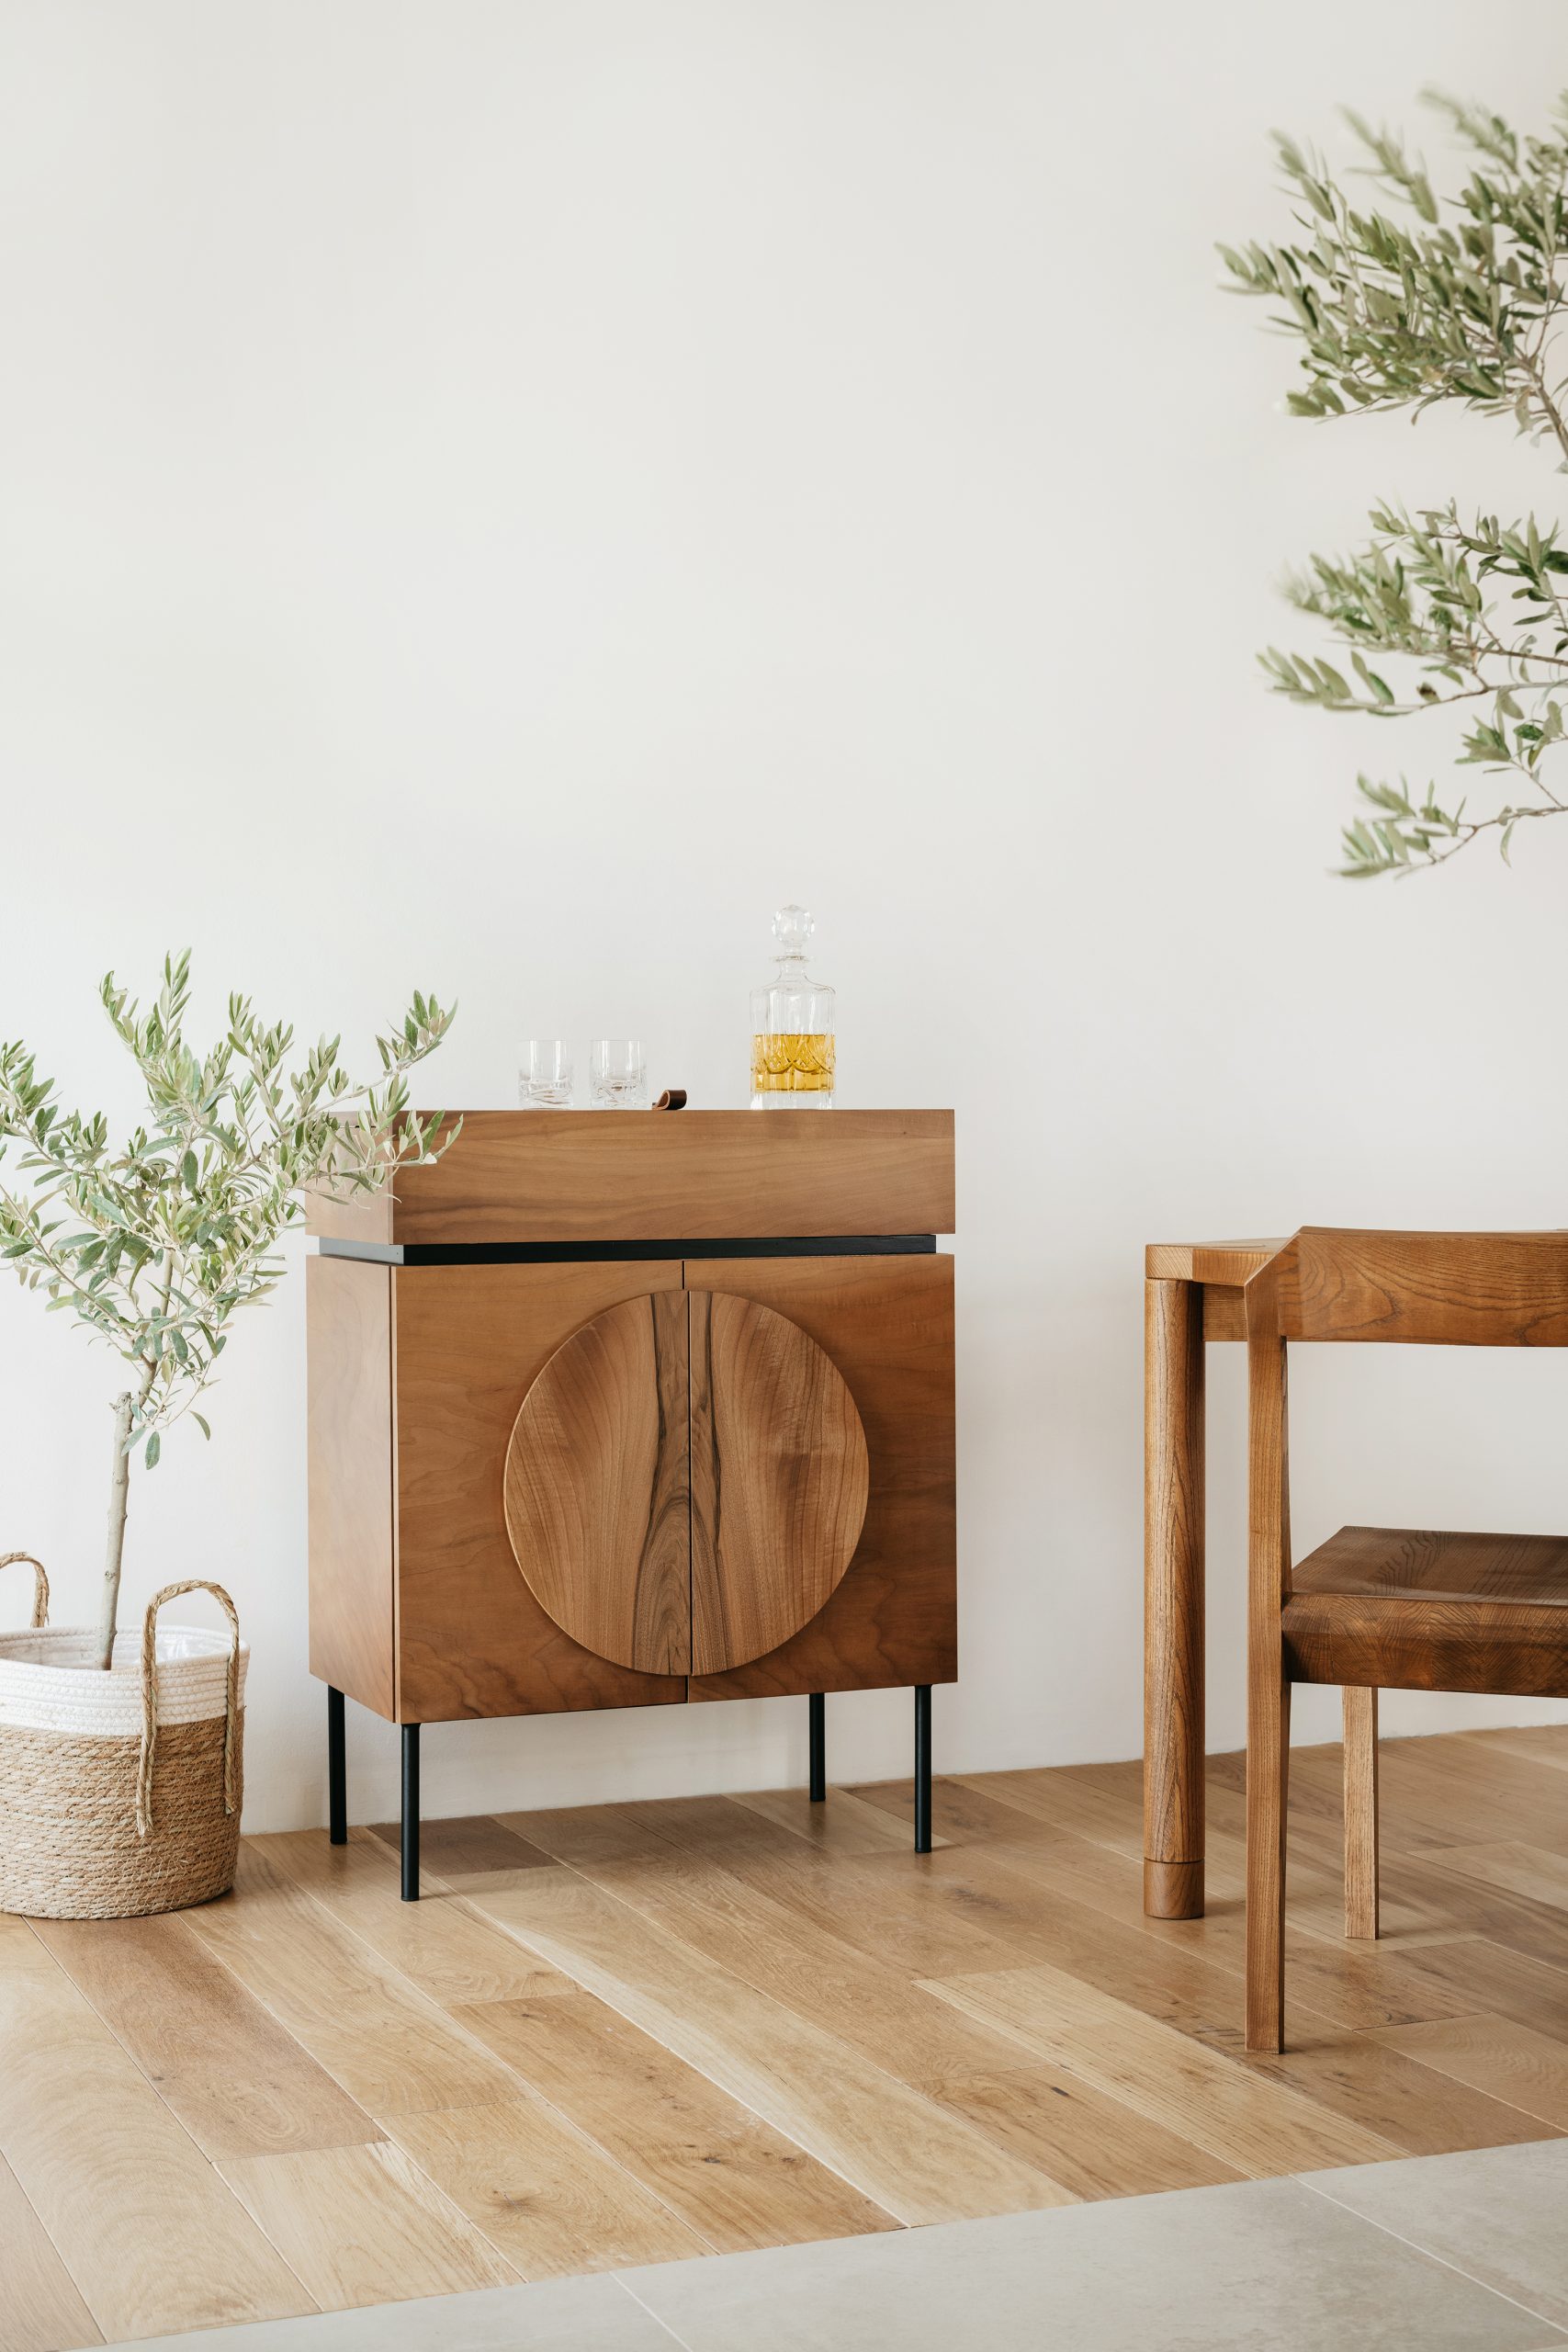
1173 1600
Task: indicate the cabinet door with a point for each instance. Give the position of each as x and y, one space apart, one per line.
886 1324
473 1636
685 1482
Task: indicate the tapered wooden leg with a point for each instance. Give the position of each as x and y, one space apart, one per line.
1173 1600
1267 1796
1361 1813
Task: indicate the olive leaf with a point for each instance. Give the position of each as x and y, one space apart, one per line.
157 1243
1442 298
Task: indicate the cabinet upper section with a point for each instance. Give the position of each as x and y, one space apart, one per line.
593 1176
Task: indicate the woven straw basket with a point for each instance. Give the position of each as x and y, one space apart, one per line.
119 1792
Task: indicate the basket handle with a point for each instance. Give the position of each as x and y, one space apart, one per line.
150 1696
40 1583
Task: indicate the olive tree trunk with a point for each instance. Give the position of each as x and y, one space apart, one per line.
119 1496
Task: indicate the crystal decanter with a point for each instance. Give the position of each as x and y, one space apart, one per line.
792 1027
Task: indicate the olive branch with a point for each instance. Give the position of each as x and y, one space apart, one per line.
155 1246
1456 299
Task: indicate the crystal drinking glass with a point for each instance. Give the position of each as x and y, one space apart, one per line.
545 1075
619 1075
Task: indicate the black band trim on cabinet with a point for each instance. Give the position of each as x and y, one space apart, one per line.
573 1253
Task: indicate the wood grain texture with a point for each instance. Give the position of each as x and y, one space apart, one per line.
887 1325
578 1176
1432 1563
349 1389
1256 2126
1381 1608
1361 1711
550 2200
1509 2062
240 2082
734 2035
1268 1689
1478 1290
731 2177
1173 1599
352 2220
443 1949
357 2015
471 1340
1428 1644
153 2239
1228 1263
780 1477
39 2307
896 2148
598 1485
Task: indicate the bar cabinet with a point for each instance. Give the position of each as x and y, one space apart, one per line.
620 1409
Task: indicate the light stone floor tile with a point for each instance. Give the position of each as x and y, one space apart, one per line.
558 2315
1498 2214
1228 2269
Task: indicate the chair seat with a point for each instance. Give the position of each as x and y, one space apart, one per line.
1421 1609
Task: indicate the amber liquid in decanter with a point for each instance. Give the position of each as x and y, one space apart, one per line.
793 1043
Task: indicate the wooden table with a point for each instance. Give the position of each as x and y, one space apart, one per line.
1192 1295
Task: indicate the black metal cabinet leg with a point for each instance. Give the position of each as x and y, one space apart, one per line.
818 1705
922 1767
337 1770
411 1812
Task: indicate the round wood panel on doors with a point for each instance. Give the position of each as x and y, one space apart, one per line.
686 1482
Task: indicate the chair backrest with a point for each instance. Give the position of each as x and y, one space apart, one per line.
1468 1290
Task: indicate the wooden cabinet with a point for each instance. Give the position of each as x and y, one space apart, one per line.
560 1461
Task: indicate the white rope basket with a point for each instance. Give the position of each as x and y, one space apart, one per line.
43 1688
119 1791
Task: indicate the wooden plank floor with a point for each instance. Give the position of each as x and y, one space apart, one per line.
633 2033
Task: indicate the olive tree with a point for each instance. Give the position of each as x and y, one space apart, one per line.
157 1243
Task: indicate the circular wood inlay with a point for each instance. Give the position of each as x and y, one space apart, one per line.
686 1482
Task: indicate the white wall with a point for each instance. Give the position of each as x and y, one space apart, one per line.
499 493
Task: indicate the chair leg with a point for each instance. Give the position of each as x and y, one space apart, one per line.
1267 1793
1361 1813
817 1711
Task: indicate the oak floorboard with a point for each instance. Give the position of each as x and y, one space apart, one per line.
545 2197
887 1910
1356 1986
642 2031
436 1944
842 1824
1094 2144
1245 2120
390 2047
41 2310
1516 1868
364 2225
728 2175
1486 1979
1508 2061
473 1845
1541 1745
153 2239
237 2080
1367 2078
906 2154
765 1944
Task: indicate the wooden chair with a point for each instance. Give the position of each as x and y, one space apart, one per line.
1380 1607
